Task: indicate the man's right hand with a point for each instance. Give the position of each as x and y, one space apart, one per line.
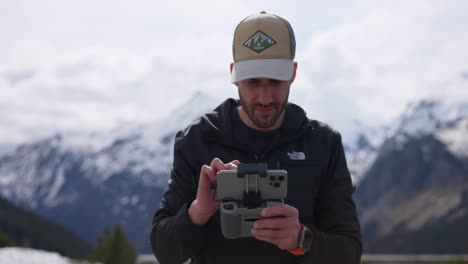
205 205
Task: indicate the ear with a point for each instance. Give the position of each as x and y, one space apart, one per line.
294 72
231 66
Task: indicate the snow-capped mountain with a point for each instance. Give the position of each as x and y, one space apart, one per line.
361 144
90 181
428 117
415 193
446 120
455 137
5 148
139 148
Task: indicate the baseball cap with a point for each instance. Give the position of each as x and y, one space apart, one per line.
264 46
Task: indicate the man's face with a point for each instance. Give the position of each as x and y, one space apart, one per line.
263 102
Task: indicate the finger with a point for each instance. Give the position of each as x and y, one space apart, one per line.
207 175
230 166
217 164
280 210
270 233
276 223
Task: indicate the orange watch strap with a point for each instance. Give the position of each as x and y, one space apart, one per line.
298 251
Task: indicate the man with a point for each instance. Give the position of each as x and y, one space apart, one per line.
318 222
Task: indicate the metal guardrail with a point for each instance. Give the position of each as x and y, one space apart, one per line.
409 259
150 259
368 259
146 259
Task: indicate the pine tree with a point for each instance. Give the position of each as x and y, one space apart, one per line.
101 253
5 241
121 250
114 248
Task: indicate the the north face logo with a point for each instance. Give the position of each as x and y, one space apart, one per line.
259 42
296 155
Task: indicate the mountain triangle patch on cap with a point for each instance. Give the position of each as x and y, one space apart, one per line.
259 42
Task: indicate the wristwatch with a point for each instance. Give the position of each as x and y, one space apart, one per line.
305 242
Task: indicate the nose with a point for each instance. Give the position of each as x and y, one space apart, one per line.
265 95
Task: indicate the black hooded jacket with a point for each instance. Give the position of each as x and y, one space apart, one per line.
319 186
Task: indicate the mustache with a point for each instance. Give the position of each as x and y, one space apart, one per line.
266 105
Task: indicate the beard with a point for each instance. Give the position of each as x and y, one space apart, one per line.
260 120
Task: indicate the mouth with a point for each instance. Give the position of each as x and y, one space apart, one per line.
262 110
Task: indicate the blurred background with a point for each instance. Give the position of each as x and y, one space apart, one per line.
93 92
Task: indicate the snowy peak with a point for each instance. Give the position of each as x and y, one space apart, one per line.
147 134
417 186
447 120
140 150
426 116
108 177
361 143
421 118
34 174
361 136
456 137
185 113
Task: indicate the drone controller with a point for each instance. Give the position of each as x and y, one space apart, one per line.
245 193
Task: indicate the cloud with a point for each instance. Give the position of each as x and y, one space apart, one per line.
373 66
97 88
87 65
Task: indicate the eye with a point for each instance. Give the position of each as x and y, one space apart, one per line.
253 81
275 83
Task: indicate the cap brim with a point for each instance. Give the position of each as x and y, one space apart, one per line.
278 69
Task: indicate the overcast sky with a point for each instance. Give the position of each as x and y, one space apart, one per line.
90 65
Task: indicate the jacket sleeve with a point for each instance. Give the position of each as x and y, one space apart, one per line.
336 238
173 233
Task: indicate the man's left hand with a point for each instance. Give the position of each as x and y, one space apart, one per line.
279 225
